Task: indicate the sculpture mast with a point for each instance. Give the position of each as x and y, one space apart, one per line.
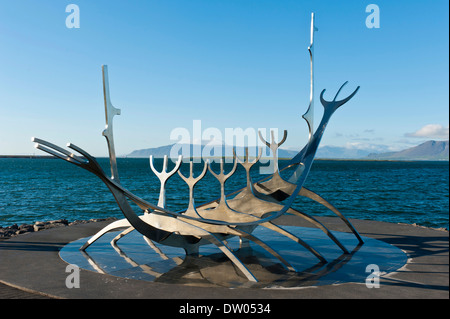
110 112
309 115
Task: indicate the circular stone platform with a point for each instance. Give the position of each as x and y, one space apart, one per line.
413 262
133 258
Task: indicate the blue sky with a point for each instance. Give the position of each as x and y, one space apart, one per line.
228 63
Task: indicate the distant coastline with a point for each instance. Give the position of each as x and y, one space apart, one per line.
427 151
281 158
26 156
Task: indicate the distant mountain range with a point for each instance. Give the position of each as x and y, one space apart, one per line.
159 152
336 152
430 150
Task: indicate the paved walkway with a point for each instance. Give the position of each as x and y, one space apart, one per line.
8 292
31 261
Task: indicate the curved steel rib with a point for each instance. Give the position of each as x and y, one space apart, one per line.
113 226
310 194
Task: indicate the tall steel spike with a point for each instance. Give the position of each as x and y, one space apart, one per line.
110 112
309 115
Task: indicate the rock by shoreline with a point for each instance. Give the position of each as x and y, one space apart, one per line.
417 225
14 230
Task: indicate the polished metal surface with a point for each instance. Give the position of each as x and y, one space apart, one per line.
275 186
110 112
233 215
191 181
309 115
163 176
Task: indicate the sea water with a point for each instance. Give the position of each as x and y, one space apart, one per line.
42 189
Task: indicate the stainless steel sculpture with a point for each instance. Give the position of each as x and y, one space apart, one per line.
237 213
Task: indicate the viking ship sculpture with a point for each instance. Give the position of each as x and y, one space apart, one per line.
236 214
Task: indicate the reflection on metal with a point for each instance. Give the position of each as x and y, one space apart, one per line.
236 214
